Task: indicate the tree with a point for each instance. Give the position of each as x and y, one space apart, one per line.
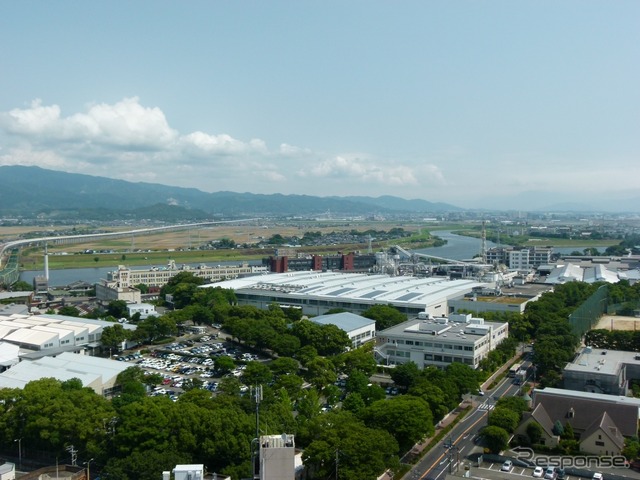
568 433
118 309
353 403
504 418
406 417
362 452
224 364
405 375
320 372
22 286
256 373
113 337
515 404
284 366
534 432
465 377
360 358
69 311
433 395
385 316
496 438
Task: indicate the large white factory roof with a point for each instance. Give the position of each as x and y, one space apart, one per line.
26 330
90 370
340 285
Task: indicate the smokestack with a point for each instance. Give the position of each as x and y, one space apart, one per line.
46 264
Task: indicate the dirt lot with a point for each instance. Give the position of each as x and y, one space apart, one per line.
615 322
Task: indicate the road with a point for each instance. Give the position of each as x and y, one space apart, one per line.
441 460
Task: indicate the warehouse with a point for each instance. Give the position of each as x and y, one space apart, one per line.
315 293
99 374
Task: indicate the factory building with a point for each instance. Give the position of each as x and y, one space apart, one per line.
290 262
315 293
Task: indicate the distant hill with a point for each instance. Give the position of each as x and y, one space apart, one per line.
30 191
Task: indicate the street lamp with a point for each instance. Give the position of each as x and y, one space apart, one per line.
88 464
19 440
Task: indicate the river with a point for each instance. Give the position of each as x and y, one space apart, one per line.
458 247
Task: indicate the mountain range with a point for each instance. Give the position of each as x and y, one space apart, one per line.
35 191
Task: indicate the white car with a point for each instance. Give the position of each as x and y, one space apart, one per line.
597 476
507 466
538 472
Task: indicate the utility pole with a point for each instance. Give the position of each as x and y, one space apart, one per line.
88 464
74 455
19 440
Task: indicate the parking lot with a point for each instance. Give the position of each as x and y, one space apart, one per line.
190 358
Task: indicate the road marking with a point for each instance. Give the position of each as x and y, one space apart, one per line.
442 455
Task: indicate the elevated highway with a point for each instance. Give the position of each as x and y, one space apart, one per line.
10 273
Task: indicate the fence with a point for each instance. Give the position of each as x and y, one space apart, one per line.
587 315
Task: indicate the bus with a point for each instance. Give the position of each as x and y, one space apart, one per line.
513 371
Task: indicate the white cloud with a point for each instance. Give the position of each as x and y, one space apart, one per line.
124 124
129 141
365 169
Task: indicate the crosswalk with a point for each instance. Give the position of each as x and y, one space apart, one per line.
486 406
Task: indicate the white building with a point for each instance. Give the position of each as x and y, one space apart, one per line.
277 457
358 328
440 341
318 292
97 373
8 471
50 332
159 276
189 472
144 309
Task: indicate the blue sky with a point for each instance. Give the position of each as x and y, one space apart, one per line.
478 104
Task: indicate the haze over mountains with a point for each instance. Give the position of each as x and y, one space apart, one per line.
27 191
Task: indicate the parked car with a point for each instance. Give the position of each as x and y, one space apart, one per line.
507 466
598 476
538 472
550 473
561 473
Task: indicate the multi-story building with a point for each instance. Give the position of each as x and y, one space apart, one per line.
519 258
276 458
440 341
120 284
292 263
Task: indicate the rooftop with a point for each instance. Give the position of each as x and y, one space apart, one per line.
345 320
405 290
605 362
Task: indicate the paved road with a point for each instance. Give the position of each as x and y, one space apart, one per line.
442 460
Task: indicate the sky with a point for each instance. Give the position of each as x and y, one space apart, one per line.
473 103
